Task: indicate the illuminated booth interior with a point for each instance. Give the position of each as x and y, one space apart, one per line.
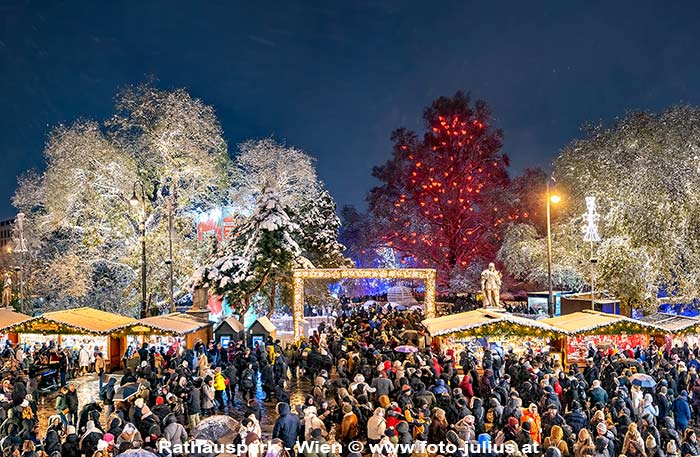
70 327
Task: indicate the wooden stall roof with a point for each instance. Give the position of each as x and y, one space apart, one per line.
177 324
673 323
234 323
589 322
82 321
266 324
9 318
482 322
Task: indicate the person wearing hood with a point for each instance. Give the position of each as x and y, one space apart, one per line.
672 449
312 422
531 416
556 439
668 432
484 447
128 437
438 426
287 427
584 444
681 411
494 415
479 414
71 447
465 429
359 383
648 407
440 389
653 448
91 411
88 442
466 386
404 437
52 443
173 431
319 390
690 444
376 426
424 396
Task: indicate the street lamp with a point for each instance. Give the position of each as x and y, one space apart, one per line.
134 200
21 247
590 234
551 198
170 203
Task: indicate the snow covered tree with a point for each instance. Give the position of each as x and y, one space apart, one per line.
438 205
261 254
293 225
644 173
318 226
83 234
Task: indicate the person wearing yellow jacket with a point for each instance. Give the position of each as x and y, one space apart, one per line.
219 387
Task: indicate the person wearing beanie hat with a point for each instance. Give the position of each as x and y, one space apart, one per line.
603 432
349 427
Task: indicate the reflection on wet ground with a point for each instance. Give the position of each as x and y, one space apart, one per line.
88 389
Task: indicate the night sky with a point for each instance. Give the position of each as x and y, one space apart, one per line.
334 78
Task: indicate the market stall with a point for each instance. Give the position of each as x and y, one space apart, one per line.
8 319
167 330
602 330
75 327
679 329
482 328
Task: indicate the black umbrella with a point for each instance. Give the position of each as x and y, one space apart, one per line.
126 391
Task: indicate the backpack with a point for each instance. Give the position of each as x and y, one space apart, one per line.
247 380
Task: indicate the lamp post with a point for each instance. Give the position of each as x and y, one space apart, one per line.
551 198
591 235
142 226
21 248
170 202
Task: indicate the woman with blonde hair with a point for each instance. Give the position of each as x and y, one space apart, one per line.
633 446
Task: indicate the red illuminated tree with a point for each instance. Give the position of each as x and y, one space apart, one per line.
444 197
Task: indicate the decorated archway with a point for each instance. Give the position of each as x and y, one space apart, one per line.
426 274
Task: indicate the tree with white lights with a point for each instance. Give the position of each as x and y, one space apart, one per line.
645 175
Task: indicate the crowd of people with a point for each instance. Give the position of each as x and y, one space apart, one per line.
359 388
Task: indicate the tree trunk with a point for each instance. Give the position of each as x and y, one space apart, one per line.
273 296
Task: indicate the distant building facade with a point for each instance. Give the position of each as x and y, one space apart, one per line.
7 241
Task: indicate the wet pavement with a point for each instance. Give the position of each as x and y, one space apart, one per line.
88 388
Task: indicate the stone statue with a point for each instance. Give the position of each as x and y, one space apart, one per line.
7 291
491 286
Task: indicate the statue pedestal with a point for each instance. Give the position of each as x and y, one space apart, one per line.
199 310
